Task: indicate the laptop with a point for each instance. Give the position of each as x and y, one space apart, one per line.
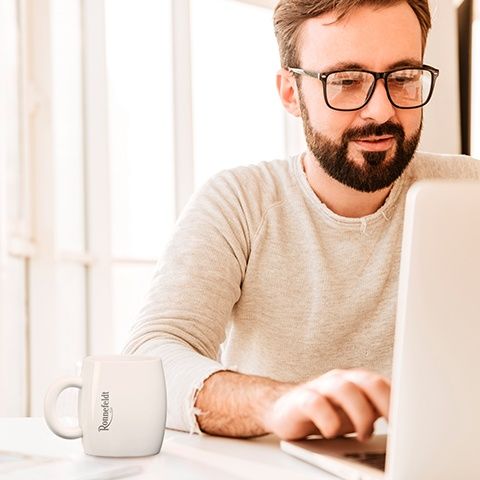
435 401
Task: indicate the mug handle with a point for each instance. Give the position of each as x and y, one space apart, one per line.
50 407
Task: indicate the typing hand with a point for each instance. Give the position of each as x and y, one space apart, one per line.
332 405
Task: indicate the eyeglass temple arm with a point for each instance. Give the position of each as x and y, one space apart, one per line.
301 71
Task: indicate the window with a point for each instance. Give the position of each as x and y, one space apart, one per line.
100 152
15 248
53 142
237 117
140 120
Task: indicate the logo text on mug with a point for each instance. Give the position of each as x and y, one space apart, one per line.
107 412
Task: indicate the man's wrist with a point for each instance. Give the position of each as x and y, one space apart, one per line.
235 404
276 391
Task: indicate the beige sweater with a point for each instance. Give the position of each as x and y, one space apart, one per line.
262 278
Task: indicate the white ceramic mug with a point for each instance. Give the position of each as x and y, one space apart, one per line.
121 406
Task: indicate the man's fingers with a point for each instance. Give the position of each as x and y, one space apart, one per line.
375 387
334 404
362 395
350 398
305 411
321 412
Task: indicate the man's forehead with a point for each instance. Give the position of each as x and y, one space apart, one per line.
364 37
352 65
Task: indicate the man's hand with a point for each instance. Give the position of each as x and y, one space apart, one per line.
334 404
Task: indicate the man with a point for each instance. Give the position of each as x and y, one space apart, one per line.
294 264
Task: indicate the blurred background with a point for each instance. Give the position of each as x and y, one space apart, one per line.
112 113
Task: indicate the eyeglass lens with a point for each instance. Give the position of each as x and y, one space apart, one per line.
408 88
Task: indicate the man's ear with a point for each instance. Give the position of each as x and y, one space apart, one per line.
288 91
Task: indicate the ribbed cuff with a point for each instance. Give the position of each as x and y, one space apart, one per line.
185 373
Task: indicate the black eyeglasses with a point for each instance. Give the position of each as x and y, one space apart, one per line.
349 90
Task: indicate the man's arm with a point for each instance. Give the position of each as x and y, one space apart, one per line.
334 404
197 282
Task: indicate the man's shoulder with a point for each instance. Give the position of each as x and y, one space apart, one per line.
245 192
273 172
434 165
264 182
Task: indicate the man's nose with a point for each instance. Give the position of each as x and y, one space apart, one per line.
379 108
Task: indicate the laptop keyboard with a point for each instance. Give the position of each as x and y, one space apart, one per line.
375 460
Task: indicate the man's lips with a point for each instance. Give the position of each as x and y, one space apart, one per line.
375 144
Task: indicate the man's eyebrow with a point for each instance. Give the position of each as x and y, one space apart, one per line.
345 66
405 62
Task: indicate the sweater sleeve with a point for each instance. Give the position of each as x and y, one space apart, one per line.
196 284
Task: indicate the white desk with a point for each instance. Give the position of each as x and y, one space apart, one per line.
182 456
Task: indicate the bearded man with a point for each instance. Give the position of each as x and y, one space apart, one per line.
273 308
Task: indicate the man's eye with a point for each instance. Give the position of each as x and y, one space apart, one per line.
405 79
346 82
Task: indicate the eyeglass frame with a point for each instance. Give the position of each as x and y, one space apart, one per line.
322 76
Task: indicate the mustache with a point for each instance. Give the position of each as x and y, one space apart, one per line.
374 130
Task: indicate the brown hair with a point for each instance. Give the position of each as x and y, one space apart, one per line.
289 16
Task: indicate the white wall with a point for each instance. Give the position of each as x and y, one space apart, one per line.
441 131
475 82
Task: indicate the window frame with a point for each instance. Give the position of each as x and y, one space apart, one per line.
15 242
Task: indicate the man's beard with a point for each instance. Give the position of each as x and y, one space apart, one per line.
377 171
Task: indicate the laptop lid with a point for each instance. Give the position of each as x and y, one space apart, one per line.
435 410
